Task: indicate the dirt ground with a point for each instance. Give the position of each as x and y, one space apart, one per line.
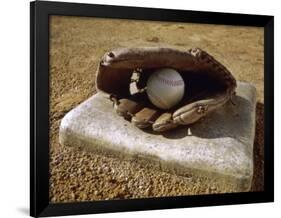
77 44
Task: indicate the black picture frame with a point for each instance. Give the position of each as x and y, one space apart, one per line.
39 107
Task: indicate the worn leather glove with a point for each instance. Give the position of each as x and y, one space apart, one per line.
209 85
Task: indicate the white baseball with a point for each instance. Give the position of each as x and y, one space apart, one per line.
165 88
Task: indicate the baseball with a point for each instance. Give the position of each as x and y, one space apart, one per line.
165 88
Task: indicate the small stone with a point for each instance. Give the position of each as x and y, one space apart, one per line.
153 39
148 191
99 170
213 188
72 195
106 169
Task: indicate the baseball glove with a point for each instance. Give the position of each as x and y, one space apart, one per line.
209 85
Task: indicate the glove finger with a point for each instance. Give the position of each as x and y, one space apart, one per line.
164 123
191 113
127 108
145 117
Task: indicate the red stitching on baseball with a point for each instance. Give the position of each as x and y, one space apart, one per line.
170 82
157 98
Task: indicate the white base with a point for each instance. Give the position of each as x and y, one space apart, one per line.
220 147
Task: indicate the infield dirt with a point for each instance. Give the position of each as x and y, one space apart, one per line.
76 46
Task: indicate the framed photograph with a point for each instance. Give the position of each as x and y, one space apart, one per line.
141 109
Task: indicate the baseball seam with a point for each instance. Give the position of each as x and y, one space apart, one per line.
170 82
157 99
